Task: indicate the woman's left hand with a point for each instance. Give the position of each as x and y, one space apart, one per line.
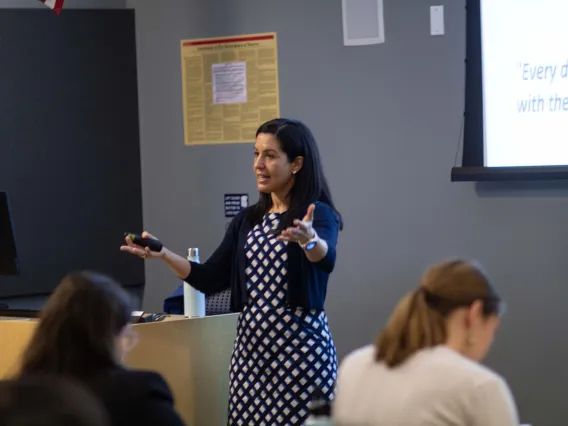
303 231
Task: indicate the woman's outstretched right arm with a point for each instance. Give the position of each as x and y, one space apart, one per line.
209 277
179 266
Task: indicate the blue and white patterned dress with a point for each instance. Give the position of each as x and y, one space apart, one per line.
280 355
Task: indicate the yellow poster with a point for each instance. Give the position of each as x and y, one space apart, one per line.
230 87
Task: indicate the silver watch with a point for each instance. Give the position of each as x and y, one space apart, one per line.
311 243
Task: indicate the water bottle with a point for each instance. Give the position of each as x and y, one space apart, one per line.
193 300
319 410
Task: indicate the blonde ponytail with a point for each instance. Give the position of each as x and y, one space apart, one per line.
419 319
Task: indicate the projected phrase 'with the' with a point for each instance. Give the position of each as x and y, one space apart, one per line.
547 87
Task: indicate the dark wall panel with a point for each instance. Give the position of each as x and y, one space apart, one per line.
69 143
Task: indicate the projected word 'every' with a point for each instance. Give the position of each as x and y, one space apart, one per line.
541 102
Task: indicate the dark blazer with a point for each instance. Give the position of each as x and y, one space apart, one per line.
307 281
135 398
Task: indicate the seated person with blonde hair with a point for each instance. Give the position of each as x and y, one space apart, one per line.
424 369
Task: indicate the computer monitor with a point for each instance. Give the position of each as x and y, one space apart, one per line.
8 254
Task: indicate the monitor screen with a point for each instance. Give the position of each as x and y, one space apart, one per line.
8 253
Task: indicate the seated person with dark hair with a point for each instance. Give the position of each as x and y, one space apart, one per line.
48 402
83 334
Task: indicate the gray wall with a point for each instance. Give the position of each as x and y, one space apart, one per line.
387 118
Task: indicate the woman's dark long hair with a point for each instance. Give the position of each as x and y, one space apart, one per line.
78 327
297 140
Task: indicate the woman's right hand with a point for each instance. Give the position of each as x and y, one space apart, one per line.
143 252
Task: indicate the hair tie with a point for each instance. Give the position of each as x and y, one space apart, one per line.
422 290
431 299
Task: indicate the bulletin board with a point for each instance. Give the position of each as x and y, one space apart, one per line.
230 87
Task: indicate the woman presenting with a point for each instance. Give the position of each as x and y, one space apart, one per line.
276 258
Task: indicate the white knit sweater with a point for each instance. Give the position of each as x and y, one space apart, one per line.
435 387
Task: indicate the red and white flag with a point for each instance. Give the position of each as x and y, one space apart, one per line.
56 5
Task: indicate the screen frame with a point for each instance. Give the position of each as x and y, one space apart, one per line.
473 167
